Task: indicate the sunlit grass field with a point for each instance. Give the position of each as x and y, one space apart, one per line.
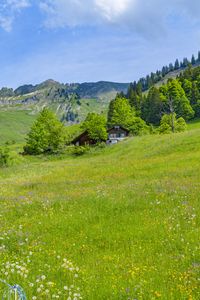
119 223
14 125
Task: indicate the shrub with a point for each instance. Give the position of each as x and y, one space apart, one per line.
8 157
11 142
181 125
138 126
4 157
169 123
80 150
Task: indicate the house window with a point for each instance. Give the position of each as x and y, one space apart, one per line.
112 135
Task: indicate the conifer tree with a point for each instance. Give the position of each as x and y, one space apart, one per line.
176 65
152 107
193 60
176 100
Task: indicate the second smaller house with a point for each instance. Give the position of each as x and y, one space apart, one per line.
83 139
116 134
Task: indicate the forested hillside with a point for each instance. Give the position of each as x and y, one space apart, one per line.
172 96
180 96
169 71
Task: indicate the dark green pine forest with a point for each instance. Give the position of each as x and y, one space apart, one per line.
180 95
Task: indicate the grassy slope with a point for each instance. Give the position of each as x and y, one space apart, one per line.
93 105
59 105
127 216
14 125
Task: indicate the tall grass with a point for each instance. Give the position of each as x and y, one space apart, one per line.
119 224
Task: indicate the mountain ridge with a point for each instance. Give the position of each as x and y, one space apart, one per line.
70 101
70 87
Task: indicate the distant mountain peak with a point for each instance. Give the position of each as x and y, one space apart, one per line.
50 81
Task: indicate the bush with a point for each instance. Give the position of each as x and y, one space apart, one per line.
181 125
138 126
153 130
165 127
169 123
4 157
101 145
11 142
80 150
8 157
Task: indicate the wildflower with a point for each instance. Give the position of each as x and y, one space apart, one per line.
157 294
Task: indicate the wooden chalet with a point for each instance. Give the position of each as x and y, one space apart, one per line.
116 134
83 139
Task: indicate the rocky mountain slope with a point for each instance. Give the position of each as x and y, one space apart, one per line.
71 102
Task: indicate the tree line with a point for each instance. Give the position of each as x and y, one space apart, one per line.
180 96
49 135
147 82
163 109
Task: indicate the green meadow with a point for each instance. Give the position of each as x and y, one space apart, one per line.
120 222
14 125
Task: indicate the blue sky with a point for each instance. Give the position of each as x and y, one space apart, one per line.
91 40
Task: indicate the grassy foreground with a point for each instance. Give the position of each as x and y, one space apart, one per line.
119 224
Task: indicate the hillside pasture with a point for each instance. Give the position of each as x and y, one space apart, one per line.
14 125
121 223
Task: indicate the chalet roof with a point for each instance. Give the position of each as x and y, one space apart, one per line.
85 133
114 127
80 136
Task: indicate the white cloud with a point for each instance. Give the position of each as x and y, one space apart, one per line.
146 17
6 23
110 9
73 13
142 16
8 11
17 4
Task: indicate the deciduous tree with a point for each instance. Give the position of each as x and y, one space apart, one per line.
95 125
46 135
